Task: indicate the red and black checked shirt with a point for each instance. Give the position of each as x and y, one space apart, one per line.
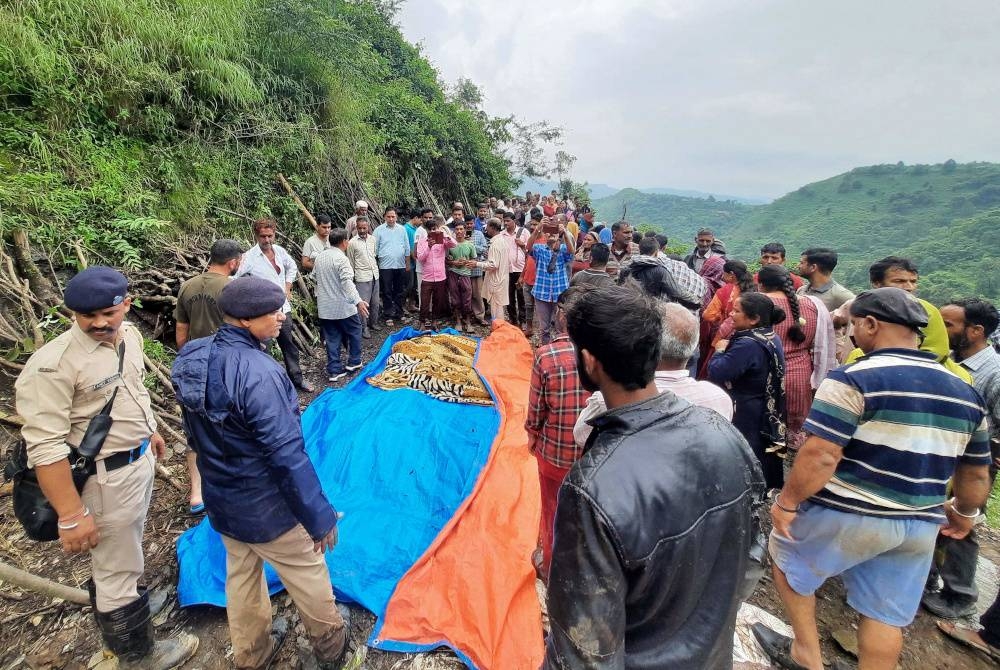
555 402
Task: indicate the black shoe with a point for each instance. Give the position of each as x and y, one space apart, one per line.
947 606
778 647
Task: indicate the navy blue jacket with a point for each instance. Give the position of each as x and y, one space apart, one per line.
241 416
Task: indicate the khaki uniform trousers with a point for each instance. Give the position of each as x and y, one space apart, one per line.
307 579
119 500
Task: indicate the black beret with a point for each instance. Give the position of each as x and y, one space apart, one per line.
98 287
891 305
250 297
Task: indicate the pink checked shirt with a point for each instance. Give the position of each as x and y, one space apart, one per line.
433 257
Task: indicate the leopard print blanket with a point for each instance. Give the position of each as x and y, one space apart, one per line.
439 365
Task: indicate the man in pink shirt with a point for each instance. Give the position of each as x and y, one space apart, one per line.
679 342
432 250
518 237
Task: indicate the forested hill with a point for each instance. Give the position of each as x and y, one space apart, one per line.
946 217
124 121
679 216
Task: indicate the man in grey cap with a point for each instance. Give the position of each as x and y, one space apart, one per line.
260 489
866 496
65 384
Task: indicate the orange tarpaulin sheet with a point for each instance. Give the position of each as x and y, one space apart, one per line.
475 586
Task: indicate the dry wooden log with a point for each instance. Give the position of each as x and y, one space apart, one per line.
162 425
80 257
38 283
11 419
46 587
302 208
156 370
163 473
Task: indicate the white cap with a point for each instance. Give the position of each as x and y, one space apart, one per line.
360 203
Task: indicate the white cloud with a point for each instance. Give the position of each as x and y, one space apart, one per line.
747 98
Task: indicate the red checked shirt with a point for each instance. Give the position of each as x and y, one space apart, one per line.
555 401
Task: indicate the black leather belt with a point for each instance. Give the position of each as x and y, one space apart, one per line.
121 459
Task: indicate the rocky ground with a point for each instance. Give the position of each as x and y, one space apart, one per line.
42 633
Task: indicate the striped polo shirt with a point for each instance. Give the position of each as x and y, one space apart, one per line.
904 422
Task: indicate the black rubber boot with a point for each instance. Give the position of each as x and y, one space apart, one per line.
128 633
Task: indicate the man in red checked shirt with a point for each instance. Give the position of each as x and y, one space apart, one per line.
555 401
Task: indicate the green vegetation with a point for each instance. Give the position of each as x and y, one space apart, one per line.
679 217
945 217
127 122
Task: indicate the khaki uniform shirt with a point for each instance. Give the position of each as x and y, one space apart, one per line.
66 382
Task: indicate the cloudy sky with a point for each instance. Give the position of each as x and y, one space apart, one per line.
743 98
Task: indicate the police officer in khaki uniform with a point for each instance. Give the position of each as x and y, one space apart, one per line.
63 385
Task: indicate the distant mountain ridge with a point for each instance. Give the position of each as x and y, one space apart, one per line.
599 191
945 217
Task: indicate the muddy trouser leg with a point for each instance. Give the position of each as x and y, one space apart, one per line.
307 579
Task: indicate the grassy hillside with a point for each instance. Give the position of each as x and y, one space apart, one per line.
122 121
678 216
946 217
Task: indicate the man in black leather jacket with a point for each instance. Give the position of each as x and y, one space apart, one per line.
653 526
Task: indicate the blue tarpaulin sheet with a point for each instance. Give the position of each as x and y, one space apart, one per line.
397 464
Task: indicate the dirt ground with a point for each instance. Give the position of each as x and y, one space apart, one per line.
41 633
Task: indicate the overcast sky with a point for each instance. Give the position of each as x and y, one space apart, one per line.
743 98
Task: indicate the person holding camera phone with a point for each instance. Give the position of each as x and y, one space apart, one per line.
64 385
553 261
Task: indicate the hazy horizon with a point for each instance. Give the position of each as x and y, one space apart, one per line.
746 99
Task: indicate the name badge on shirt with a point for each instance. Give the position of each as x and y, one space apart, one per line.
104 382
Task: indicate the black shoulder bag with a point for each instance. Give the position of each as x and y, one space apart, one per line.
31 508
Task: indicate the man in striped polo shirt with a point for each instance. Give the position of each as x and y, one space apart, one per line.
866 497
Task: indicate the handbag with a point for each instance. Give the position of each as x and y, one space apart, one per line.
31 508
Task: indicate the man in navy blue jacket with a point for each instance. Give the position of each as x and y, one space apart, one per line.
261 492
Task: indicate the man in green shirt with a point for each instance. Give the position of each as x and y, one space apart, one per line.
197 315
460 259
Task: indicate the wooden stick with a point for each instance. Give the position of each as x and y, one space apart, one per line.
11 419
163 473
162 425
79 255
302 208
155 369
46 587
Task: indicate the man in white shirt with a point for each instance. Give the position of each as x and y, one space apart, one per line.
319 242
361 253
679 342
271 262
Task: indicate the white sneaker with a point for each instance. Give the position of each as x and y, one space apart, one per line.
338 377
353 368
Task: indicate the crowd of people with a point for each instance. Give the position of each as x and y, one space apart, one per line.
668 394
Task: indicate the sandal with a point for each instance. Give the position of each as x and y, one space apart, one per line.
778 647
964 636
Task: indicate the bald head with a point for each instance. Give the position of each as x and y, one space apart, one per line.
679 338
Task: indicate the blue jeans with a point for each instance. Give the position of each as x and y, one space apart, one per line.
338 333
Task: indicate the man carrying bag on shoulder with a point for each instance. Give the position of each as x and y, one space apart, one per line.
64 385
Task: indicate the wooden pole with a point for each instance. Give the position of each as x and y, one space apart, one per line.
46 587
302 208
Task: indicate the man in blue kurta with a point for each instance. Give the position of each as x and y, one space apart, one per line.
261 492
